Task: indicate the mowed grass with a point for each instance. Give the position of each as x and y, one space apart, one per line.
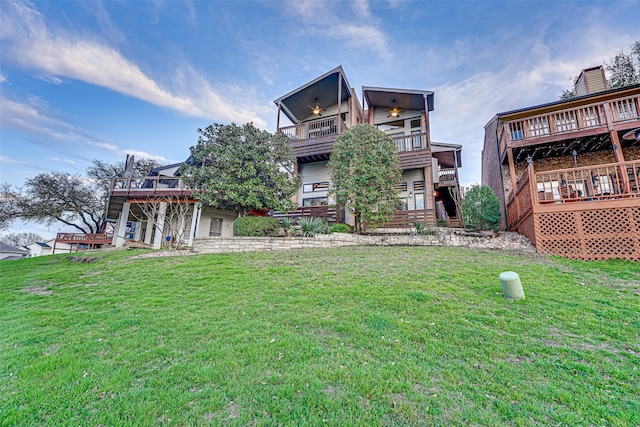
352 336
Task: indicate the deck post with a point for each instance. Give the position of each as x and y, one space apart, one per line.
195 222
430 203
339 103
157 239
121 225
533 183
617 151
278 120
514 181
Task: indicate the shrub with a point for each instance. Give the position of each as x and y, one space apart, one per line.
286 224
421 229
442 222
255 226
481 209
339 228
310 226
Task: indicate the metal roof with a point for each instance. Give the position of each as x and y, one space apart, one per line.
405 99
323 90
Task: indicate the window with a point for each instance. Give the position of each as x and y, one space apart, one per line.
419 198
401 187
403 204
315 201
215 228
416 140
415 123
318 186
418 185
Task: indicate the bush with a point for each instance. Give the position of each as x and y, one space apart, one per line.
442 222
339 228
422 229
287 225
310 226
481 209
255 226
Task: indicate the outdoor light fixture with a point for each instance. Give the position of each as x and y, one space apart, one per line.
529 160
632 134
410 194
395 111
596 180
574 153
317 110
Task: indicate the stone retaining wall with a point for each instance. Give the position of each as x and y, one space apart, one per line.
443 237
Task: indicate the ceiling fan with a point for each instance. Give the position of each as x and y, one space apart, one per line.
395 111
317 111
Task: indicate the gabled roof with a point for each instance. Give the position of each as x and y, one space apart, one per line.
41 244
568 101
156 171
406 99
11 249
322 90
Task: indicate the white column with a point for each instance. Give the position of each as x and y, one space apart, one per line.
138 233
149 230
157 239
195 223
121 226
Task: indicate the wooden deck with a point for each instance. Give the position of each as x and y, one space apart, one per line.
587 213
80 239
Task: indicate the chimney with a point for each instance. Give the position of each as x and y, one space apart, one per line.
591 80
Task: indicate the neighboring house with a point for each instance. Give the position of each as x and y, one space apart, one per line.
156 207
49 247
8 252
325 107
319 111
567 173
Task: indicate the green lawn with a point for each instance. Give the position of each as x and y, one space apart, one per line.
350 336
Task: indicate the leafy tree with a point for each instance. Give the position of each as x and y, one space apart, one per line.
365 170
481 209
623 70
74 200
20 239
242 168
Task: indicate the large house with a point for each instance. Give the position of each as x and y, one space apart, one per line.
567 173
146 209
320 110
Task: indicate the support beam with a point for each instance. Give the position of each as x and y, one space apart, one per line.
162 213
278 120
137 236
430 202
339 103
195 223
121 225
149 230
617 151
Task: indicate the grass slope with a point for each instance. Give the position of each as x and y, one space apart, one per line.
350 336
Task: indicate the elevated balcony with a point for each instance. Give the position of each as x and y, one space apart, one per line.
86 240
313 140
571 123
588 213
413 151
149 186
448 177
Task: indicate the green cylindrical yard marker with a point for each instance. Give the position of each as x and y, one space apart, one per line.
511 286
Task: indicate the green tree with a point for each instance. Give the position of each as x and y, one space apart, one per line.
20 239
74 200
481 209
364 168
242 168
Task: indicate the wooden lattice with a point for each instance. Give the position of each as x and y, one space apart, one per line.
590 234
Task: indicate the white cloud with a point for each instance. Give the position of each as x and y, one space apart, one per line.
10 161
358 30
105 145
3 78
59 160
144 155
33 119
56 53
50 79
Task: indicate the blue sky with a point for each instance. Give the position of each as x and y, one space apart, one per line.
97 80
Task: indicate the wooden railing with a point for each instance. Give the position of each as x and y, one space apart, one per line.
148 183
328 212
413 142
88 239
598 182
325 126
573 119
448 176
520 201
405 219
